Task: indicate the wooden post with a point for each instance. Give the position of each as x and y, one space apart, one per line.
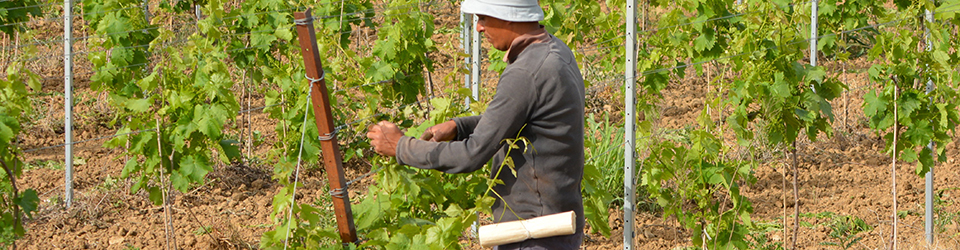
332 160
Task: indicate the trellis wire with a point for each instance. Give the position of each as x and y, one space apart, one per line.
239 112
175 42
296 178
180 25
385 81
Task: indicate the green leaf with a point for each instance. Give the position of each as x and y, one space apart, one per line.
705 41
283 32
156 196
780 87
310 214
595 209
453 210
260 39
114 25
148 83
874 104
816 74
210 119
130 167
179 181
908 155
139 184
926 161
231 148
195 167
122 56
139 105
28 200
908 104
8 128
380 71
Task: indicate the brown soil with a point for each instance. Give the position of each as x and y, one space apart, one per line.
847 175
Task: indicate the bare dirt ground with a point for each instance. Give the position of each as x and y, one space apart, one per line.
846 175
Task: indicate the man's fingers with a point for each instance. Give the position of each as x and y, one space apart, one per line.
427 135
372 131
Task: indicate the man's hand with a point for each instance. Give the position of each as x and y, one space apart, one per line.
384 137
441 132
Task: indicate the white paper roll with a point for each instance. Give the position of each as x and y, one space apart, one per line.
535 228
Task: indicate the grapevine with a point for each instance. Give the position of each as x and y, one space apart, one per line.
17 84
925 113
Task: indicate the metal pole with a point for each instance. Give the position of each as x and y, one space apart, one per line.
146 10
465 41
813 33
475 65
928 178
467 46
629 101
68 101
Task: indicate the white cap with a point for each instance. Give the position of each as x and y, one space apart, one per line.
507 10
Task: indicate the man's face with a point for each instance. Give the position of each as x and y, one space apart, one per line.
496 31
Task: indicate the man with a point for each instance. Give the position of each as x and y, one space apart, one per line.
540 96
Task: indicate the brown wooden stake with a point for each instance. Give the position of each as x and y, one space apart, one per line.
330 149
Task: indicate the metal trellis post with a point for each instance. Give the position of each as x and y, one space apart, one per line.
330 149
928 177
465 44
475 56
813 33
146 10
68 101
629 101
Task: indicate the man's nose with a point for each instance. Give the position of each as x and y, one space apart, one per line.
480 28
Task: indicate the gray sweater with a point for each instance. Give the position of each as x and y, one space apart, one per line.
542 87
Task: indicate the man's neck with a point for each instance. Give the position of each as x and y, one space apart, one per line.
522 28
521 42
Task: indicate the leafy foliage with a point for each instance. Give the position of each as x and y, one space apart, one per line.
183 101
918 91
12 13
692 175
844 230
404 40
407 207
15 203
700 175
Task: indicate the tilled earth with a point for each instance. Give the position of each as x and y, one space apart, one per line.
847 175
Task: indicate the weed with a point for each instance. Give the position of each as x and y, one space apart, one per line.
604 151
45 164
759 238
943 217
844 230
257 138
109 183
202 230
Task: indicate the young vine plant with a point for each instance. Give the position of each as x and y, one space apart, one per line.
921 83
17 84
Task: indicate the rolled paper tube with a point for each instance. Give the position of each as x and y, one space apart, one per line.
535 228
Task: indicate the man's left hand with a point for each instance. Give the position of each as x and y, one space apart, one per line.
384 137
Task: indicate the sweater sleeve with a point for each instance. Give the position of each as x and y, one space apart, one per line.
505 116
465 126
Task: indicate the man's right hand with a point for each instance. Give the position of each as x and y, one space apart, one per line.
441 132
